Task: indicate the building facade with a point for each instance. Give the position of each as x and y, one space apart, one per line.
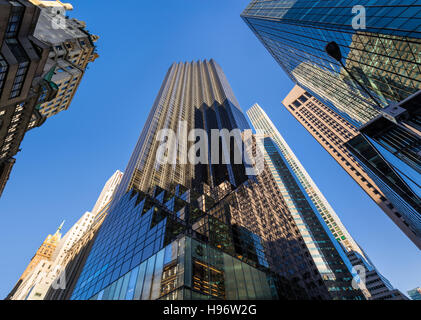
37 78
107 192
415 294
382 52
45 270
22 61
369 83
373 282
261 121
333 132
316 219
64 279
222 234
194 95
72 48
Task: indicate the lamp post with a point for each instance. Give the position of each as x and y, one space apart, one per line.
334 51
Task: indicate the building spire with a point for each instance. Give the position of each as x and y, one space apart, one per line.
60 228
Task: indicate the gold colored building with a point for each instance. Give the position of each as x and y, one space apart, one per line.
45 251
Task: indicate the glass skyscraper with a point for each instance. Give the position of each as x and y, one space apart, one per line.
320 207
193 95
318 223
204 231
385 56
333 133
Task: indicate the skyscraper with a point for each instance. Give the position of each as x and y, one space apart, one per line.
193 95
382 53
373 282
333 132
313 214
376 88
207 230
261 121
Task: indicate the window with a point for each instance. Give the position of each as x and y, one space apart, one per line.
6 147
14 21
23 66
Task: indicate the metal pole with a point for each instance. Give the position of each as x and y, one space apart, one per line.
362 86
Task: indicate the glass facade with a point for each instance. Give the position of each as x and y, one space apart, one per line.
142 252
398 187
223 235
333 132
193 95
328 255
260 120
385 56
189 270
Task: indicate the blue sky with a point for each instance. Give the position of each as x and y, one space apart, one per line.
64 164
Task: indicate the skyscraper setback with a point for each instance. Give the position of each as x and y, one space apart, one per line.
207 230
199 95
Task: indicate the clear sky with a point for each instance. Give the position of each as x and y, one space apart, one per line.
65 163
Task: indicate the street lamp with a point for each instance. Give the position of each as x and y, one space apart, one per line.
334 51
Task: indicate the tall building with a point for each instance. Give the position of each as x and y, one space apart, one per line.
311 211
372 78
207 230
37 78
261 121
415 294
381 51
333 132
193 95
376 87
56 252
